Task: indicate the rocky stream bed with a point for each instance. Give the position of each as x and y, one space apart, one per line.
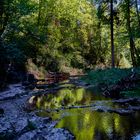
18 122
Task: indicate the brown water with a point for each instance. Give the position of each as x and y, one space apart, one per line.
86 123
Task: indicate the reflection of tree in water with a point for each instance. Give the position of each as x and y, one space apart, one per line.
99 126
100 135
85 123
65 97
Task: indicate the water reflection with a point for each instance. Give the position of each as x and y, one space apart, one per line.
91 125
85 123
65 97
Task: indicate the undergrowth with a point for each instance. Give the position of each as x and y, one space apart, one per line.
108 76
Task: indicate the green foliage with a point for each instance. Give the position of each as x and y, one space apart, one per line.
38 71
124 63
131 93
108 76
14 54
68 29
61 34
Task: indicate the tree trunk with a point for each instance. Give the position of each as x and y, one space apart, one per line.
137 10
100 39
132 43
112 35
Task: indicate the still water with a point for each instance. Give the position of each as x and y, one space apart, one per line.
86 123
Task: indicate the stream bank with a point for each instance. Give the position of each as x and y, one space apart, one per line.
45 113
18 124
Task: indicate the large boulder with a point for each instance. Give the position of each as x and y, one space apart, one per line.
20 125
58 134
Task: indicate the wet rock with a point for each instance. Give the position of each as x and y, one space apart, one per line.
122 111
20 125
13 91
100 108
4 126
58 134
39 122
44 134
25 127
6 130
134 108
129 101
28 136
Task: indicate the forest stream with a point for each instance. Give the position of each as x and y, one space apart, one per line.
88 115
68 110
69 69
